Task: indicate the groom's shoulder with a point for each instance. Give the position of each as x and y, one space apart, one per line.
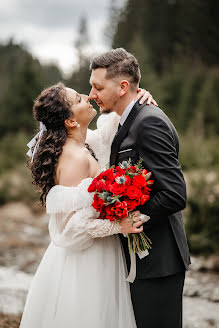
151 115
150 112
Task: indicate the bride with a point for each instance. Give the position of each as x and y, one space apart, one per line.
81 280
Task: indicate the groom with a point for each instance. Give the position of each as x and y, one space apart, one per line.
157 290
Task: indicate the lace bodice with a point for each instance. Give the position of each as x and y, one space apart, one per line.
73 221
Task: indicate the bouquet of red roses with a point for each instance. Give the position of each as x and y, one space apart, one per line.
118 191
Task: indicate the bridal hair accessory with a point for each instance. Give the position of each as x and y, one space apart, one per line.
35 142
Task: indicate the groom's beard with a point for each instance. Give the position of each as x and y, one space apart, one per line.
108 110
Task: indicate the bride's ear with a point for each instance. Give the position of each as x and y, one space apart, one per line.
70 123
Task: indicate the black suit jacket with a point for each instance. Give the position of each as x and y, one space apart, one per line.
148 133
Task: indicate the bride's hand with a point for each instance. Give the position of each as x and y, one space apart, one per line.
146 96
127 225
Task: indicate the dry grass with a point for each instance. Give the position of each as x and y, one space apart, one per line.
9 321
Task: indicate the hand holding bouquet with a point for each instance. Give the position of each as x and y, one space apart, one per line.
118 192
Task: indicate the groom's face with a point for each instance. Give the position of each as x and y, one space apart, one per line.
105 92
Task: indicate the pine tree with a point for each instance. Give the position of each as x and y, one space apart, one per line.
17 106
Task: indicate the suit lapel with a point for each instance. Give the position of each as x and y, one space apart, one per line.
122 133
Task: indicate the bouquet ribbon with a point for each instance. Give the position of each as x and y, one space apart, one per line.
132 273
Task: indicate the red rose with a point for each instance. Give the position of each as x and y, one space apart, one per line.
100 185
110 215
146 190
131 204
98 203
120 170
92 187
107 185
96 185
128 181
144 198
109 175
139 181
132 168
100 176
120 185
134 193
121 210
117 189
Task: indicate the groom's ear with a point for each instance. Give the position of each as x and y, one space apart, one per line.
70 123
124 87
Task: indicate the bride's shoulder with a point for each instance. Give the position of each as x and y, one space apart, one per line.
73 166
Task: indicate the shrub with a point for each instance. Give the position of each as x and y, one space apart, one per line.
202 223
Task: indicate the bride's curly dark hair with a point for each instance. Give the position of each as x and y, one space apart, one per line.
51 108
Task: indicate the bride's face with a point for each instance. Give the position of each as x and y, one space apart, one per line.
83 111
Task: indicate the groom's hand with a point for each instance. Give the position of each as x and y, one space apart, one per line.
127 225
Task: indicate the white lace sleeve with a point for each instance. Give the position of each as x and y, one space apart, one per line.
73 221
102 228
100 140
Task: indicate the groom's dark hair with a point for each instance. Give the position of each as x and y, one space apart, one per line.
118 62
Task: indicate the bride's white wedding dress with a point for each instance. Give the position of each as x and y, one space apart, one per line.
81 280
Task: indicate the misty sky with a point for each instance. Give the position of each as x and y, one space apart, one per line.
49 27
